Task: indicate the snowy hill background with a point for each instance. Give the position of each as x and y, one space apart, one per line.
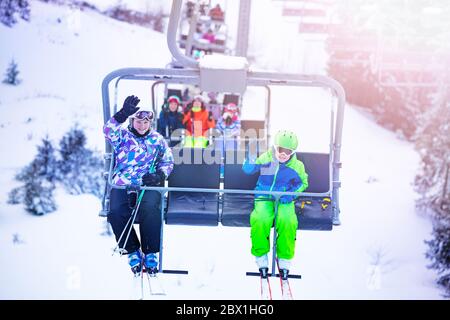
377 253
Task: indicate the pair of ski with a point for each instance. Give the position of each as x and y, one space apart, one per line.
266 291
155 285
283 275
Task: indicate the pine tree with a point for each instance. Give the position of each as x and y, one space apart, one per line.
38 197
39 181
16 195
44 165
72 144
433 182
9 8
433 144
439 251
80 168
7 12
11 74
24 9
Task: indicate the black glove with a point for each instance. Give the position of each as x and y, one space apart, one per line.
210 116
129 108
153 179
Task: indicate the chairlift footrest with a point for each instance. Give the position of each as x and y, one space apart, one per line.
257 274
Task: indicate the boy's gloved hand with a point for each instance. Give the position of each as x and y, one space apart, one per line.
249 166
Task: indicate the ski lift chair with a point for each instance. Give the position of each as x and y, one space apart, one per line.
192 170
313 212
203 177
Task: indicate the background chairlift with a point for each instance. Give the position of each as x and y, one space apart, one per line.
194 23
212 198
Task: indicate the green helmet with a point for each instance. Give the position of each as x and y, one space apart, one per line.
286 139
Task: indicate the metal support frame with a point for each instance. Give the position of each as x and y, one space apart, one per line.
172 42
265 79
192 29
244 28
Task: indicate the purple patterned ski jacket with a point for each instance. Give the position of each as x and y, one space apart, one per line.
135 156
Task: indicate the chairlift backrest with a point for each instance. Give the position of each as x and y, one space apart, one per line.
256 128
317 166
193 170
234 177
175 92
230 98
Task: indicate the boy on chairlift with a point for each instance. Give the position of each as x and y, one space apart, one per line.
280 170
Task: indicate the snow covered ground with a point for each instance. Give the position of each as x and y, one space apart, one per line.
377 253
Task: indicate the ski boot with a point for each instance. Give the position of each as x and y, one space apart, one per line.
151 263
135 262
264 272
284 266
284 274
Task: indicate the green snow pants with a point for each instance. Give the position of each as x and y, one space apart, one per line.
261 221
195 142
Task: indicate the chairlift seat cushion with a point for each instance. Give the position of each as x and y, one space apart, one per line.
195 208
313 216
236 209
317 166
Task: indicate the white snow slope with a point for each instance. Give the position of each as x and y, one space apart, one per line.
377 253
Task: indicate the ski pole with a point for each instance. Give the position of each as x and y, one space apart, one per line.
121 235
132 218
134 214
274 243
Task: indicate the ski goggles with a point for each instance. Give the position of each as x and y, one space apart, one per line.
287 152
144 115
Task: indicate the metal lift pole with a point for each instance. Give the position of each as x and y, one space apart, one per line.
243 28
171 37
192 29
